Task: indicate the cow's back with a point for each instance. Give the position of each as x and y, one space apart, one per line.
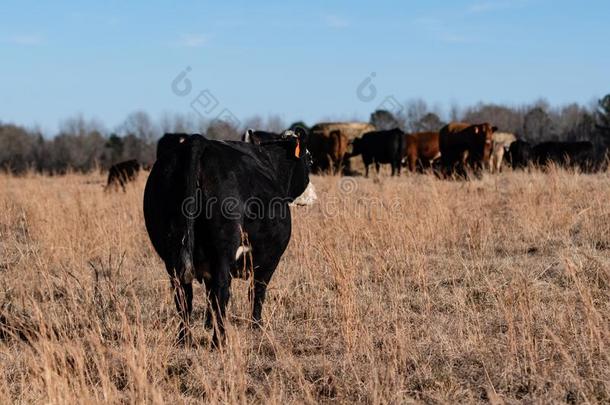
121 173
448 135
564 153
504 138
449 139
453 128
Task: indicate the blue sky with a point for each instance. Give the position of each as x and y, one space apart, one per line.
300 59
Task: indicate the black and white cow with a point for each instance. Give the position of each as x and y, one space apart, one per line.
214 209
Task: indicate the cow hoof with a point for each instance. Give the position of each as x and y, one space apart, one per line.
184 340
217 342
209 322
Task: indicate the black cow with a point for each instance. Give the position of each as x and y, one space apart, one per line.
380 147
122 173
169 142
519 154
567 154
214 209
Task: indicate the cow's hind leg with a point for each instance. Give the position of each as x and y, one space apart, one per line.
367 162
396 168
122 182
209 318
183 298
257 295
221 290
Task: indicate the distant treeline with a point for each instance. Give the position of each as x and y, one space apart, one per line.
85 145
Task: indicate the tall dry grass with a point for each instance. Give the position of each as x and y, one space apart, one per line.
391 291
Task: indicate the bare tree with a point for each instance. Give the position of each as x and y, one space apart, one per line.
415 110
275 123
602 116
255 122
223 130
140 124
506 118
180 123
454 112
384 120
430 122
538 126
18 148
574 122
80 126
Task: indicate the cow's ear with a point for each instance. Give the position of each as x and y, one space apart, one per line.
248 135
494 129
297 149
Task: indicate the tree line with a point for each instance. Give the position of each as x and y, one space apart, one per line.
85 145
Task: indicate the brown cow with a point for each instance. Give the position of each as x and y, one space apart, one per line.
329 142
464 145
421 149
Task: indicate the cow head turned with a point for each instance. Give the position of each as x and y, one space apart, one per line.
355 147
302 133
297 162
299 142
483 141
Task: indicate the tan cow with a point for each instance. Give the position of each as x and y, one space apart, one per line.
501 143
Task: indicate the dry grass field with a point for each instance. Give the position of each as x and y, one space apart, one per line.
391 291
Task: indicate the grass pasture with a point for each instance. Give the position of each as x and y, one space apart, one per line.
393 290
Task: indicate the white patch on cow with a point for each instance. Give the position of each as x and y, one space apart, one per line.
248 135
240 251
308 197
289 133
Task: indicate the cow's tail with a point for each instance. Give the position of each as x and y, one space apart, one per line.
191 207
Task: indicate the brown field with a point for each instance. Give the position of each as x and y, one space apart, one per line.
391 291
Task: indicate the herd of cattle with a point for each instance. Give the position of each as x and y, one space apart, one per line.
452 150
216 210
